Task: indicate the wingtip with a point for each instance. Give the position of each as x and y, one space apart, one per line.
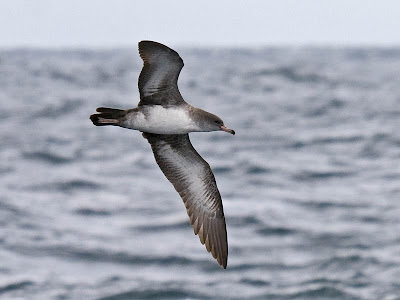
146 48
223 262
220 257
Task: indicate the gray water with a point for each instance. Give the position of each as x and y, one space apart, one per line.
310 183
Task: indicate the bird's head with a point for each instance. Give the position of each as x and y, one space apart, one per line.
217 124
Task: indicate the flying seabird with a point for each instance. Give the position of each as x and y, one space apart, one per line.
165 119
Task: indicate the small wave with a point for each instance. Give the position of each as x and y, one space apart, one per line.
67 252
372 219
47 157
103 76
255 282
345 240
269 230
77 184
112 279
337 139
297 144
162 227
322 110
60 75
263 267
92 212
321 281
289 73
154 293
220 170
124 258
321 292
66 107
325 140
321 175
103 255
58 140
6 170
244 221
376 146
15 286
66 186
14 210
338 262
257 170
327 204
211 91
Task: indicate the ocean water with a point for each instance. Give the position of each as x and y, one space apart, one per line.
310 182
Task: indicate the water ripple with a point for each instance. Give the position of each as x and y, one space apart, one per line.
290 73
50 158
155 293
15 286
280 231
308 175
66 186
92 212
55 111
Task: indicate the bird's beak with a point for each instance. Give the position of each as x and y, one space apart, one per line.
224 128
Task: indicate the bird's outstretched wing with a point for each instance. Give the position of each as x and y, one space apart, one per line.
159 76
193 179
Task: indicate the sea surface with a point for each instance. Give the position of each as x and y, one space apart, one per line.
310 182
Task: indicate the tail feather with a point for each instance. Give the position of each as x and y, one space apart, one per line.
110 110
107 116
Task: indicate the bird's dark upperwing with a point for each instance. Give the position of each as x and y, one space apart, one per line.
159 76
193 179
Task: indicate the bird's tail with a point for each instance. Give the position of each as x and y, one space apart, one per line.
107 116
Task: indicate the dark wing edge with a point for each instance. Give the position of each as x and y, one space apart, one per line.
193 179
158 80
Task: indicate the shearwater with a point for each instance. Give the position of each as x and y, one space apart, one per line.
165 120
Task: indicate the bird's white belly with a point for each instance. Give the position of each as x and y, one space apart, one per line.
160 120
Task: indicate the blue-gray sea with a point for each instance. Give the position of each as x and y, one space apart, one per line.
310 182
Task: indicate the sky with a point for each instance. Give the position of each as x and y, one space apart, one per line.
122 23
